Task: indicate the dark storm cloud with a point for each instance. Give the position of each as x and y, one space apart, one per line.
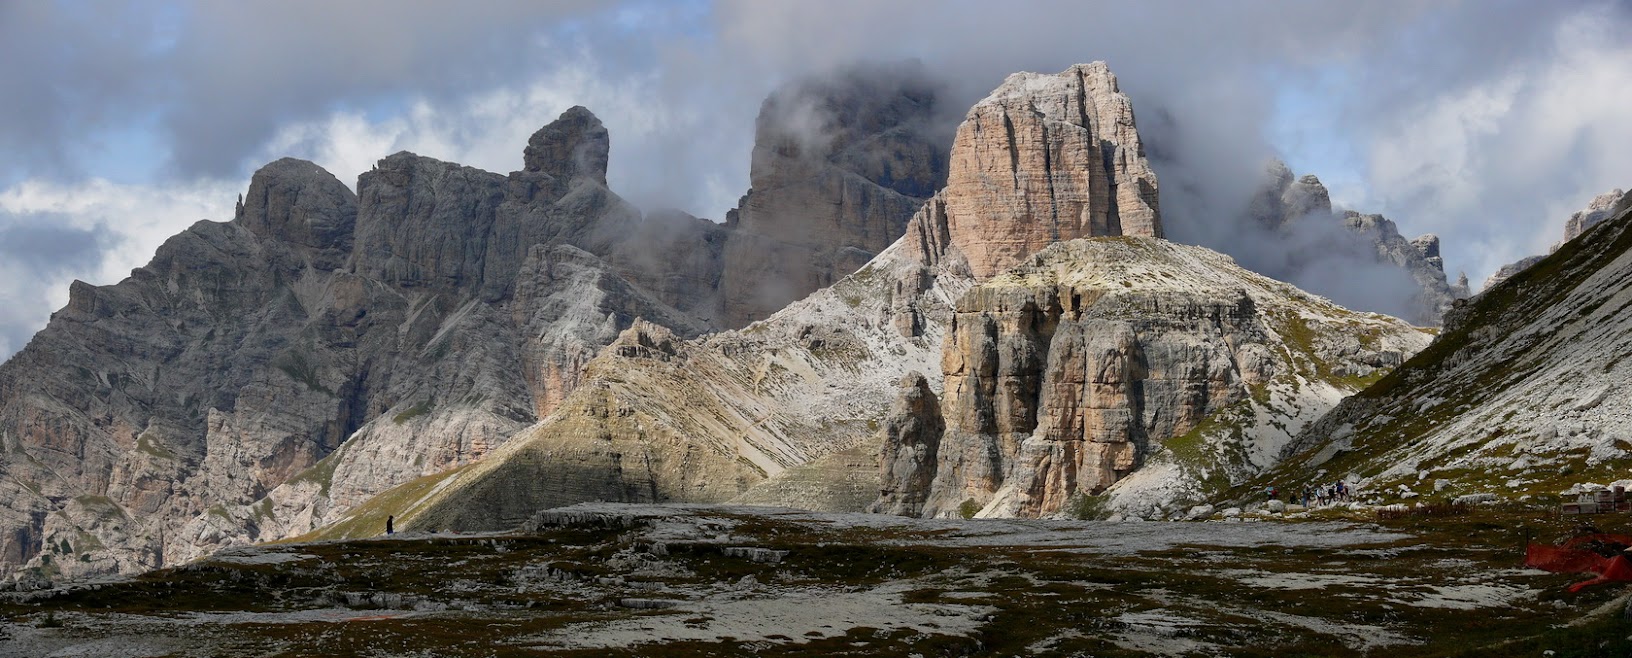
244 68
66 73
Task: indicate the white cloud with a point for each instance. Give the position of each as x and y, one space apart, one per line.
1498 164
125 223
489 130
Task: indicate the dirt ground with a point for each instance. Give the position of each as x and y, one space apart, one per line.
648 580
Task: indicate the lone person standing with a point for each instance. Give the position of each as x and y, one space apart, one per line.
390 525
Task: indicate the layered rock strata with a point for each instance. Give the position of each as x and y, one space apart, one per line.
1046 158
1136 368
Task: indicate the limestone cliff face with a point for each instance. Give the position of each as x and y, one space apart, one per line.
815 381
839 165
912 438
1076 372
1046 158
261 376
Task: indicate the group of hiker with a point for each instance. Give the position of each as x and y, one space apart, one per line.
1320 495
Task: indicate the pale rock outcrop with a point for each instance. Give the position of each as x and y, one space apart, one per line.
1510 270
572 305
1599 209
1046 158
1070 376
907 458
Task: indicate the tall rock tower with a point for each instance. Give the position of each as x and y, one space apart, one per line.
1046 158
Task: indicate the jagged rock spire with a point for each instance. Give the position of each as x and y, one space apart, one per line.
1046 158
575 145
299 202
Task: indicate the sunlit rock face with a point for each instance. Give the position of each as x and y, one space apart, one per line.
1046 158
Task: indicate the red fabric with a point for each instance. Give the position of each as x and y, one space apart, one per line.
1571 558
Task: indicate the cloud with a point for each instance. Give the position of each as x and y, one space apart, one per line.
51 234
488 130
1501 160
1486 122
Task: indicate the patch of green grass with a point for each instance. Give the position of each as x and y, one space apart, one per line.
419 409
1085 507
299 368
968 508
149 446
321 473
368 519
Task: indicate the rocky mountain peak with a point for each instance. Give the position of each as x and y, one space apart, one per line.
1597 210
840 163
1296 210
575 145
299 202
1305 197
1046 158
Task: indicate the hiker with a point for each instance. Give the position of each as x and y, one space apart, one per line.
1306 496
391 525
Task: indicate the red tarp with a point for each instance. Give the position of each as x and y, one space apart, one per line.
1582 555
